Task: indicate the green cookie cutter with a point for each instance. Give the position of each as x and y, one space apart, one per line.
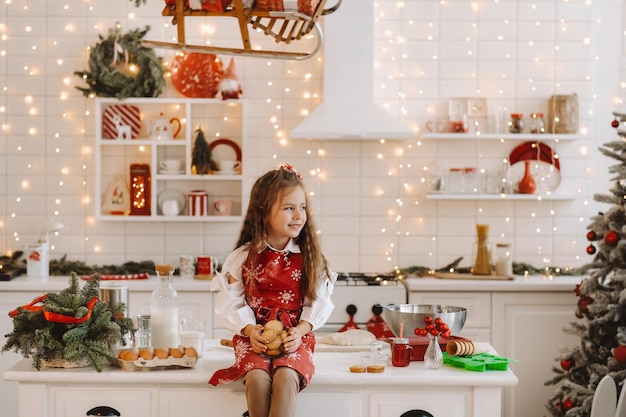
479 363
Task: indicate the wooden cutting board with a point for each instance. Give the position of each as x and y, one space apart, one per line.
455 275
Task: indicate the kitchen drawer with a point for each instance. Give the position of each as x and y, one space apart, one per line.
185 403
478 304
74 402
439 402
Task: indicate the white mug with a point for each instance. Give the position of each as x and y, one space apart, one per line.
170 208
223 207
170 165
229 165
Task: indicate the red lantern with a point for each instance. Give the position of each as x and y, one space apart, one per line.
611 238
140 186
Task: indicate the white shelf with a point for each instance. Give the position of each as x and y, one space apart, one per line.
219 120
502 197
504 137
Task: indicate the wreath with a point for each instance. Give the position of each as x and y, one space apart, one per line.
120 67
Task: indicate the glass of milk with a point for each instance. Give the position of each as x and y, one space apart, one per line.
192 333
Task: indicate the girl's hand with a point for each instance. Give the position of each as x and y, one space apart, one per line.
256 340
294 336
293 340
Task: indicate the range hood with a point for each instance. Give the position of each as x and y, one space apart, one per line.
348 110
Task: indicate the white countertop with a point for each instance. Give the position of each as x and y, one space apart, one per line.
332 369
518 284
58 283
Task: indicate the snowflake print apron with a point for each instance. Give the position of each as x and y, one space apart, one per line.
273 291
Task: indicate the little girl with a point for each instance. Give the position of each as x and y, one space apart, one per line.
277 271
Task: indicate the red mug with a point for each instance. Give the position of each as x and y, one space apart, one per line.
207 265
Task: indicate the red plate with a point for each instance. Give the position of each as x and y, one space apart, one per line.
197 75
534 151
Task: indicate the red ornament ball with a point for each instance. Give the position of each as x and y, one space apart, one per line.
611 238
591 249
567 404
583 303
614 123
591 236
619 353
567 364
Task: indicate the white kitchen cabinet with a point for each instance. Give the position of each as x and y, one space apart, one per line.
78 402
189 402
529 328
453 403
223 123
9 300
478 304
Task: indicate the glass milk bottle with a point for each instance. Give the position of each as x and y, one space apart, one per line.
164 309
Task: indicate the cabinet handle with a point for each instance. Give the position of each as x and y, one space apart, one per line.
417 413
103 410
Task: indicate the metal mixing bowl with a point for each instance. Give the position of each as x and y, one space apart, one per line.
412 315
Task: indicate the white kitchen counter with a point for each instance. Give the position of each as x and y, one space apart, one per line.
518 284
58 283
461 393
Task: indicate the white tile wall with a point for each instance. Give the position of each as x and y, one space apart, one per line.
367 196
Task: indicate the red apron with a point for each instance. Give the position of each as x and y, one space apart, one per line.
273 291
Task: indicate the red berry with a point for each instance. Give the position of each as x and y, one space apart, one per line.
438 320
417 331
443 327
423 332
428 320
430 326
434 332
446 334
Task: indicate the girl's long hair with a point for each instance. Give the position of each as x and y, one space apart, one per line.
266 191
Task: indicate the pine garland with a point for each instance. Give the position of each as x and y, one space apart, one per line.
93 340
120 67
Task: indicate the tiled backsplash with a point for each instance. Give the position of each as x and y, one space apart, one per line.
368 196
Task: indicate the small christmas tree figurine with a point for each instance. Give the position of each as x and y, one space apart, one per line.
201 159
601 303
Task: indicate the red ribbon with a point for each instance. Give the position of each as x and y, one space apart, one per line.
56 317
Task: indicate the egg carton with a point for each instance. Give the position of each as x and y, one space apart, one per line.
158 364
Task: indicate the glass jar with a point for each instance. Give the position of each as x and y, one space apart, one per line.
516 123
400 352
164 309
433 357
482 251
504 264
142 335
537 125
456 180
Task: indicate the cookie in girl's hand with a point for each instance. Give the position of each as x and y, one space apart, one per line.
272 333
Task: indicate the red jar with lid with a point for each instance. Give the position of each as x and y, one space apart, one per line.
400 352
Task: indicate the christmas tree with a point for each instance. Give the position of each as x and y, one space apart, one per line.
601 308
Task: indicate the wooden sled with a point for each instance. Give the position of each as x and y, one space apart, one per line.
285 27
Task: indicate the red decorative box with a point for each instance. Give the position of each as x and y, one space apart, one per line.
419 345
303 6
128 114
